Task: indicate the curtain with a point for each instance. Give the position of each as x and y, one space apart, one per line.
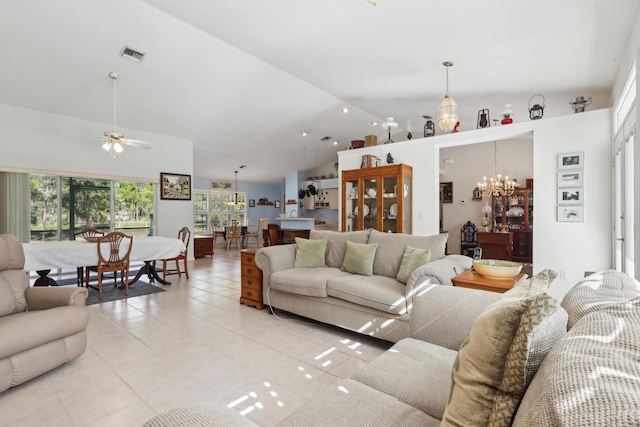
15 205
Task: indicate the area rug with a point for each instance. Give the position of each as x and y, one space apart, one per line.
113 293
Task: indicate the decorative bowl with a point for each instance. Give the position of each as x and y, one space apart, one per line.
497 269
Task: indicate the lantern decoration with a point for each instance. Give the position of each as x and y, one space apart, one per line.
448 109
537 110
388 125
429 127
507 113
483 118
579 104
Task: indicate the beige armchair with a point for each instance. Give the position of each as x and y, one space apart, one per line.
41 328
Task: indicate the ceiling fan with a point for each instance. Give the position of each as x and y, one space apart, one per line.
115 140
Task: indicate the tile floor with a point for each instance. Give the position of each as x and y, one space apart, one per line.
193 343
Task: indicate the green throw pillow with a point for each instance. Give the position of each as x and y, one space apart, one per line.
310 253
412 259
358 258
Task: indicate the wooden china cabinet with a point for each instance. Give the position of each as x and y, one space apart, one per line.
378 198
515 213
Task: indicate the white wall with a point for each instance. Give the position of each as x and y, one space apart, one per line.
34 141
574 247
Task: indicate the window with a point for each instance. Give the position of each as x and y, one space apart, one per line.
62 206
217 208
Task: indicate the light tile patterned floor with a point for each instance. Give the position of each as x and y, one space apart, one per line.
193 343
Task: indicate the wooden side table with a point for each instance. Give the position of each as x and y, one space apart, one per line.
251 279
471 279
202 246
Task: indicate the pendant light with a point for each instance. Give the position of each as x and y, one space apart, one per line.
235 201
448 109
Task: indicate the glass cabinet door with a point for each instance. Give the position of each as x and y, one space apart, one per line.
390 204
351 205
369 205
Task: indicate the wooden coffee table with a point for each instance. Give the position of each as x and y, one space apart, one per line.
471 279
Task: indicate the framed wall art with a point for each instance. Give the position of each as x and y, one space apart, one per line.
570 178
175 186
570 213
252 203
571 161
276 204
446 190
215 185
571 196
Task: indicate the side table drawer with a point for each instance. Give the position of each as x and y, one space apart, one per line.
250 271
247 258
254 283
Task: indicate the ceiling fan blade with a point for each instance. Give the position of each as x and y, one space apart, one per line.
138 143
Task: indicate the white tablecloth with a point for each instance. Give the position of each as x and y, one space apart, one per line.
80 253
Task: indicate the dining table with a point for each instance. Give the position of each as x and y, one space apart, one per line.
42 257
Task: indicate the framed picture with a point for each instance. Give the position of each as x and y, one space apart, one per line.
571 196
252 203
571 161
215 185
446 192
570 178
276 204
174 186
570 213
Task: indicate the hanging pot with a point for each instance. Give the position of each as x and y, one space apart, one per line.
312 189
301 193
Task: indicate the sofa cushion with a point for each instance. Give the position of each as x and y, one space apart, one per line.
299 281
412 259
350 403
391 249
310 253
591 377
501 354
378 292
358 258
416 372
337 243
600 290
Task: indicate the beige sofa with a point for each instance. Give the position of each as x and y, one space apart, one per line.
40 328
588 376
377 305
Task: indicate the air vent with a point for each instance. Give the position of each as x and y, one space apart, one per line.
326 138
132 54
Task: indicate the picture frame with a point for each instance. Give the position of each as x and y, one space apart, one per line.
570 178
571 161
217 185
276 204
446 191
570 213
252 203
175 186
571 196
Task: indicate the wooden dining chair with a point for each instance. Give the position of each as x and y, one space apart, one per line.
234 235
112 259
275 235
90 235
255 234
185 235
218 233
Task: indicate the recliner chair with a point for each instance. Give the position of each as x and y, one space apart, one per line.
41 328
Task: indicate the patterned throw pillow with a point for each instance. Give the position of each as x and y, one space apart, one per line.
501 354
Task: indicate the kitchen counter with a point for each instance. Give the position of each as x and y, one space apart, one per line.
297 223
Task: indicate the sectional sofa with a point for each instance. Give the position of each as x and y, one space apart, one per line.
484 359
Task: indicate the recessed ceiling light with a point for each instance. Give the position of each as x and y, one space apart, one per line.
335 142
374 123
345 110
304 134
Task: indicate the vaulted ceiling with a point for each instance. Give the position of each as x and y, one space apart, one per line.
243 79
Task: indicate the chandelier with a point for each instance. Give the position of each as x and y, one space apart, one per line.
496 186
235 201
448 109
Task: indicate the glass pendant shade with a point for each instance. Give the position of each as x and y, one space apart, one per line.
447 114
